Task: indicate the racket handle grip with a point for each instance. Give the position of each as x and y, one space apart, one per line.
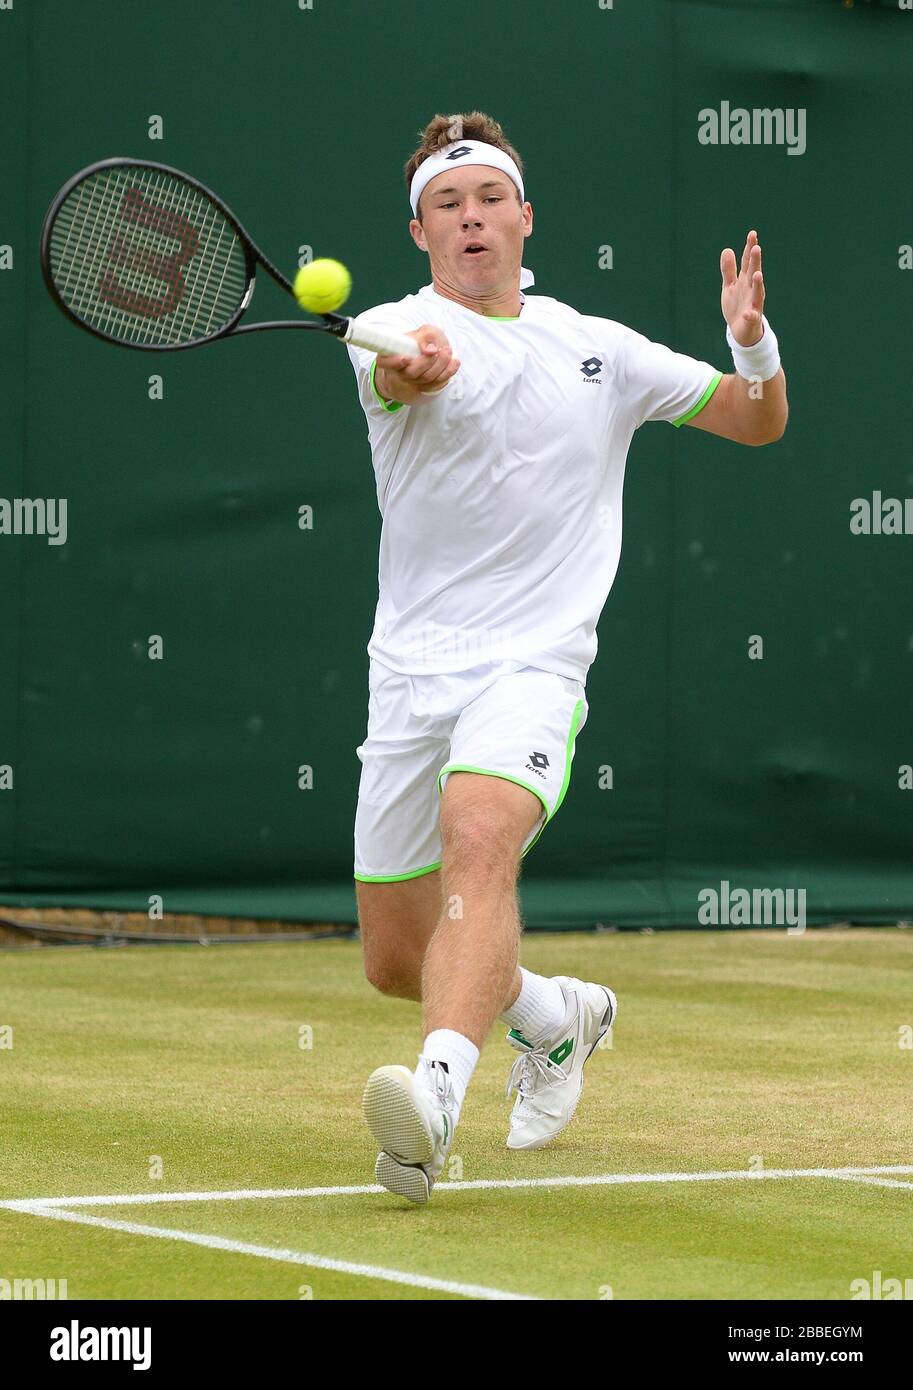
377 338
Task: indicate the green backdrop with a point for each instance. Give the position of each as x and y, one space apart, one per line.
179 777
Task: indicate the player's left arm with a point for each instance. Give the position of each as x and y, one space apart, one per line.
739 409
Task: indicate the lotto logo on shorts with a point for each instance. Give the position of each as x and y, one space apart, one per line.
537 761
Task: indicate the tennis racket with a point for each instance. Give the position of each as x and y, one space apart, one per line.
146 257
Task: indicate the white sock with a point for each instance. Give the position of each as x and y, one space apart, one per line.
538 1009
457 1053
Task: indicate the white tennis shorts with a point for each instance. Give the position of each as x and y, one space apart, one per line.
502 719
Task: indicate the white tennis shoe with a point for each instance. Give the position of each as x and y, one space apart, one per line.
548 1075
413 1119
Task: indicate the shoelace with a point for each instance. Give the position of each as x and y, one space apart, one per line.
531 1067
439 1081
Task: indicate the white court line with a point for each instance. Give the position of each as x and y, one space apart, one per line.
294 1257
60 1209
42 1204
875 1182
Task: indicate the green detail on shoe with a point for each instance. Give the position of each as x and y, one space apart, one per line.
562 1051
515 1033
446 1128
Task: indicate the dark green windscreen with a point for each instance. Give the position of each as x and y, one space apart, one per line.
187 523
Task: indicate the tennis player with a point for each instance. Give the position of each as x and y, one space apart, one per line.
499 456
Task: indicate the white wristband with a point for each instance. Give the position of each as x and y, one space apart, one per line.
761 361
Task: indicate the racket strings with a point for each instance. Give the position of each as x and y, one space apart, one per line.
146 258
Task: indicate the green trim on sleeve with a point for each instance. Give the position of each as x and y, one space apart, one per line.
389 406
689 414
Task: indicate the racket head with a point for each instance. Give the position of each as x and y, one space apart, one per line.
147 257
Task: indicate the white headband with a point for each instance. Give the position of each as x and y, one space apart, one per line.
468 152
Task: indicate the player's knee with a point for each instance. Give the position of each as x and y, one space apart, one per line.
391 976
382 979
481 841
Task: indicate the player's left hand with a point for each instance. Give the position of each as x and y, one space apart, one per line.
742 300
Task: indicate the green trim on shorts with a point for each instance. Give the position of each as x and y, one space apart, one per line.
568 759
489 772
389 406
569 753
689 414
397 878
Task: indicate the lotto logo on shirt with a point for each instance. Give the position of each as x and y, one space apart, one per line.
591 369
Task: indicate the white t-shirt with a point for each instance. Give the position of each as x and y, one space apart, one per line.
501 496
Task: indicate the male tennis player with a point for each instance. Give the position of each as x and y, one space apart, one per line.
499 456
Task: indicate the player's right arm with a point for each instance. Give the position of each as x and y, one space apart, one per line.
407 379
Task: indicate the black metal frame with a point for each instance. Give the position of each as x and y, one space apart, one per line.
337 324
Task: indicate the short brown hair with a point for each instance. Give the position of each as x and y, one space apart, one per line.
445 130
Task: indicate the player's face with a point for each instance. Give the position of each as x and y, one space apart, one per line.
473 206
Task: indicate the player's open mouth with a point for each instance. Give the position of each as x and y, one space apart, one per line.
475 249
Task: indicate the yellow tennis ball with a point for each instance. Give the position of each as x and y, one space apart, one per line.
322 285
